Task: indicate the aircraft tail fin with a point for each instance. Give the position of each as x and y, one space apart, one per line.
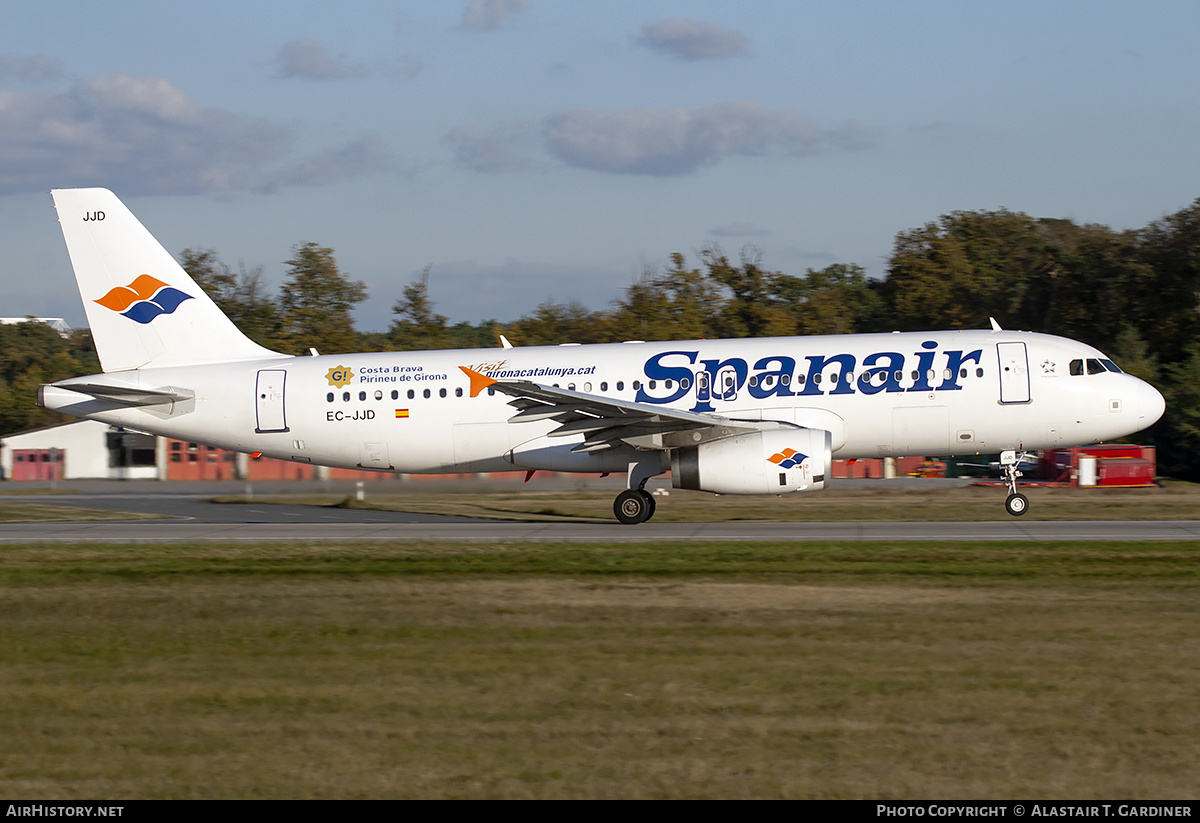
143 308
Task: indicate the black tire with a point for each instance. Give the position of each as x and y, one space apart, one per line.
1016 504
652 502
632 507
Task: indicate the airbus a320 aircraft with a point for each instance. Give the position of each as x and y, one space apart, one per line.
756 416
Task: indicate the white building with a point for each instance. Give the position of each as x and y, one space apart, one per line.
83 449
56 323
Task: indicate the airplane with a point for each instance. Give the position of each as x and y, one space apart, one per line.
759 416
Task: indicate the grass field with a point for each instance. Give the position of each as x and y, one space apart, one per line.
1175 501
679 670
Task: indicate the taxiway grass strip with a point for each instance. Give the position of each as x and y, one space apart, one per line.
968 562
678 670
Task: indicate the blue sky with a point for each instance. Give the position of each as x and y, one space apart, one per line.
531 150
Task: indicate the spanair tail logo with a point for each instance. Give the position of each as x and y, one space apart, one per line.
144 299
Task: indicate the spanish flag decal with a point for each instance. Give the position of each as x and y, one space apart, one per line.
402 412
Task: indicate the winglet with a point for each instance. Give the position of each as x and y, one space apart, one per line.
995 325
479 382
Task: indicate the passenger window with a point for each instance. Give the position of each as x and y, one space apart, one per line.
329 397
378 395
685 383
441 392
620 385
753 380
979 372
898 376
604 386
637 384
426 393
962 373
570 387
395 394
668 384
412 394
345 397
1076 367
654 384
787 378
817 377
587 387
458 392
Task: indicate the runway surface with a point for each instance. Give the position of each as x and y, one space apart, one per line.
192 518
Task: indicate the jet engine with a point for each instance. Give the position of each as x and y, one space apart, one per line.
762 462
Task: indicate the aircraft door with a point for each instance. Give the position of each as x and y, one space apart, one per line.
268 399
1014 372
703 392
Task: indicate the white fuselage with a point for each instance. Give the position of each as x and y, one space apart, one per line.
879 395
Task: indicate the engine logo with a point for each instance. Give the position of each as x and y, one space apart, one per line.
788 458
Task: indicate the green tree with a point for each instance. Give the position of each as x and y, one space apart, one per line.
32 354
679 303
316 302
242 296
417 326
837 299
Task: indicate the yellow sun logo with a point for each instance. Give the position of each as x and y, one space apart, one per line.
339 376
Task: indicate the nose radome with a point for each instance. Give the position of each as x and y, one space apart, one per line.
1150 404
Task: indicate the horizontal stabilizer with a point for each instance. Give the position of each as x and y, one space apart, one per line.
129 395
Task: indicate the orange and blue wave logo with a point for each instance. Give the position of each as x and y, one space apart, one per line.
788 458
144 299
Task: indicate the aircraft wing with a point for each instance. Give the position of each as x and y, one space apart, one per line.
606 423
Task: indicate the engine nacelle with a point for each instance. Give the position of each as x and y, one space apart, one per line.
764 462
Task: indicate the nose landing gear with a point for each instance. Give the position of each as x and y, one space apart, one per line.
1016 503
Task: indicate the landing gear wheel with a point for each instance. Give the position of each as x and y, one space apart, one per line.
633 506
1016 504
651 501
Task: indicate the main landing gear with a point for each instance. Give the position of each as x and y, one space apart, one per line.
1016 503
635 504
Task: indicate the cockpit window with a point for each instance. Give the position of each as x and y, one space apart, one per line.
1094 366
1077 367
1111 366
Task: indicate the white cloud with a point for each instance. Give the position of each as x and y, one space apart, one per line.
144 135
311 60
487 15
690 39
666 142
39 68
491 151
358 158
139 134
